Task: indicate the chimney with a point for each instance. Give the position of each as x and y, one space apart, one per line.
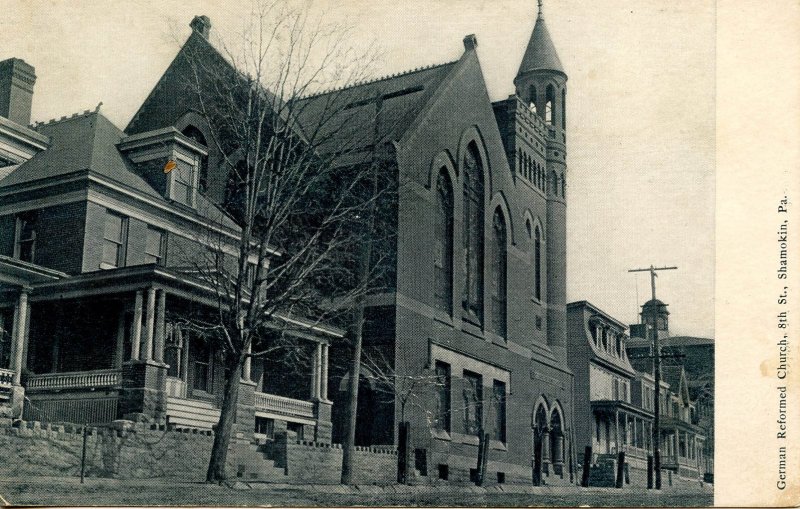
470 42
16 90
201 25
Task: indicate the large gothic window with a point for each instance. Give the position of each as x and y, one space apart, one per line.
499 271
443 234
537 263
472 298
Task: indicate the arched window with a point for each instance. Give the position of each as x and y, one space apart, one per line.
563 187
499 273
443 234
554 183
195 134
532 99
563 108
472 297
549 104
537 263
521 162
528 167
556 437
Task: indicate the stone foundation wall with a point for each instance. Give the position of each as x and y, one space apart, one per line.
127 450
321 463
122 450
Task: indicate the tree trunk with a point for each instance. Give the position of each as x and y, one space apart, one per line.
222 435
348 447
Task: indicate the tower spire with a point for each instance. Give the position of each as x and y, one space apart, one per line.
539 15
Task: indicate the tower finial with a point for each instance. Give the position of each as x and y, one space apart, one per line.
540 8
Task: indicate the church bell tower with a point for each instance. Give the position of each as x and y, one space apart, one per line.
541 84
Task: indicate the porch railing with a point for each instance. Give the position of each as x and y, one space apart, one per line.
6 378
76 379
285 406
176 388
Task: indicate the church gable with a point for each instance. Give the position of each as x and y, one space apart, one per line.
459 107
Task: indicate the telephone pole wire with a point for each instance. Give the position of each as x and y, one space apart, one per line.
657 372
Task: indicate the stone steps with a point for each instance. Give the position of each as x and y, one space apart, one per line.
252 464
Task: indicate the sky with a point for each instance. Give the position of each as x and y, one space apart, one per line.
640 109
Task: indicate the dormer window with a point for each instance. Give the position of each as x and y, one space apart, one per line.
169 161
182 185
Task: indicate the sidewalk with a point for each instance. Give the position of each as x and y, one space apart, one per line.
69 491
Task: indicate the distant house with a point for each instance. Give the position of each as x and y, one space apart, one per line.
688 368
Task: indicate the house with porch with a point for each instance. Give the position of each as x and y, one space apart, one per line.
687 367
611 406
100 244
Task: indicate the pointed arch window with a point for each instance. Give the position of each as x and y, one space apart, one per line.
472 297
532 100
443 234
549 104
537 263
564 108
499 274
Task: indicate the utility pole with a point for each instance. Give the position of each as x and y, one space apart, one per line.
657 373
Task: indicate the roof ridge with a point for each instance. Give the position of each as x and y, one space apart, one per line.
376 80
65 118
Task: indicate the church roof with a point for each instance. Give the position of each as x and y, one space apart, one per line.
347 119
540 55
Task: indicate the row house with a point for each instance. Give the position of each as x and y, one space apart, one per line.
610 395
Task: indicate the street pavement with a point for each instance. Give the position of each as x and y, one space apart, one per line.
55 491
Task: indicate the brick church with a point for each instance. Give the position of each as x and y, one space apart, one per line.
475 308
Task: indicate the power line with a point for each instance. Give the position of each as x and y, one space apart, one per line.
657 371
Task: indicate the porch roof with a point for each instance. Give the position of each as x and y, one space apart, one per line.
675 423
610 405
175 281
17 272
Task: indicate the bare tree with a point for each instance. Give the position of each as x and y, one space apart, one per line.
299 187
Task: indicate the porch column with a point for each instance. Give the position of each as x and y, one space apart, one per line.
616 430
315 371
159 331
136 328
20 321
147 354
119 350
247 363
324 387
